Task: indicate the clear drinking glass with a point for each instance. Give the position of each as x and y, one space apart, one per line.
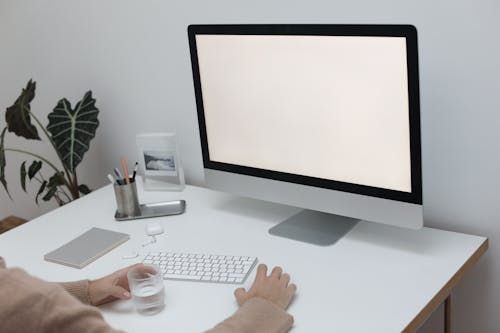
147 289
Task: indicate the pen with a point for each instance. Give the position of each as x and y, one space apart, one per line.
118 176
135 171
125 171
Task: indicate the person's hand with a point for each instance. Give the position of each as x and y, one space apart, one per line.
111 287
274 287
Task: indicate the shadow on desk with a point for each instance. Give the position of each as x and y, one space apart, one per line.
256 209
422 241
414 241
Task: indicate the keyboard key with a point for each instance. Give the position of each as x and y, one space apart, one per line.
236 275
182 277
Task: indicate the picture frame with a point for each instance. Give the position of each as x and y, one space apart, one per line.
159 162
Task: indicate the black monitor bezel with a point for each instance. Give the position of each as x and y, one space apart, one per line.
409 32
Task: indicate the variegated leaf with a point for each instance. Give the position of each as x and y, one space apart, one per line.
73 129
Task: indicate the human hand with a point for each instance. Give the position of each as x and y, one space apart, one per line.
274 288
111 287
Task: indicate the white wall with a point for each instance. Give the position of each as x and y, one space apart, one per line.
134 56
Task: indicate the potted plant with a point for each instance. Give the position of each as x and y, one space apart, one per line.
69 131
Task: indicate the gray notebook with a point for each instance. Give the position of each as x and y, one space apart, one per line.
87 247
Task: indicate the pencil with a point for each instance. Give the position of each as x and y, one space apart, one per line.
125 171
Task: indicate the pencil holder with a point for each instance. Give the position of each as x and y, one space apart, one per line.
127 200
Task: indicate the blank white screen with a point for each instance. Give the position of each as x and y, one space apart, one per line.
331 107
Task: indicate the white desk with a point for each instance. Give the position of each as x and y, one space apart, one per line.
375 279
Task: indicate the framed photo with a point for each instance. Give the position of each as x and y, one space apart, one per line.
159 160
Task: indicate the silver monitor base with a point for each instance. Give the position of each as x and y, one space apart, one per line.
314 227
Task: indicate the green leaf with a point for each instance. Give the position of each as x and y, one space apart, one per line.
50 194
56 180
84 189
18 115
42 188
23 176
3 162
34 168
72 130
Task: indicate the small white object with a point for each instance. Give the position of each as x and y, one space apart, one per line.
152 240
202 267
154 228
132 255
111 179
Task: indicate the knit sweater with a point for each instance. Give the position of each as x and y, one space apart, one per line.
28 304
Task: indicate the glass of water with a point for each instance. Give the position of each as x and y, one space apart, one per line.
147 289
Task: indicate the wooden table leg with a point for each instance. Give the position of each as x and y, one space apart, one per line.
447 314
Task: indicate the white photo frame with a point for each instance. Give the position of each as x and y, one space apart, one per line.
159 161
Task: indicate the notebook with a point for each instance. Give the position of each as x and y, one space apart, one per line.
87 247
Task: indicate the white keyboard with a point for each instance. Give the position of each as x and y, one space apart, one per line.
202 267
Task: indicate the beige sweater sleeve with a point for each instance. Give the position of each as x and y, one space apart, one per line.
79 289
29 304
256 315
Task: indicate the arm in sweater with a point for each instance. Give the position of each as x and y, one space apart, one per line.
38 306
79 289
256 315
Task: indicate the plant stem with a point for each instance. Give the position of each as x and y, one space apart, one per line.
65 194
59 189
75 184
60 201
34 155
70 188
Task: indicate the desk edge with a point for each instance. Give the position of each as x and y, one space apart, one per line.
443 293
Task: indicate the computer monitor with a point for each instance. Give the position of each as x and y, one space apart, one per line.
322 117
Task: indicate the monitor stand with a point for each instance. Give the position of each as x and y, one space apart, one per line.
314 227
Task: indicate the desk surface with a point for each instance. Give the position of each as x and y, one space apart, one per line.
375 279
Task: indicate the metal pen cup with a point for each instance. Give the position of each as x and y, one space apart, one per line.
127 200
